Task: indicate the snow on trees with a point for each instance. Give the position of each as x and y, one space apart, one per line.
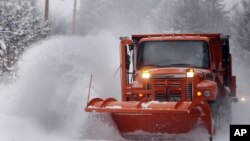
201 16
20 26
114 15
152 16
242 26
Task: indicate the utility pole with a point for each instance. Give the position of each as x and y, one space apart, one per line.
74 17
46 16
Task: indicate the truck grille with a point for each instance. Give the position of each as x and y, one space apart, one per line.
171 89
175 97
149 86
189 90
160 97
170 97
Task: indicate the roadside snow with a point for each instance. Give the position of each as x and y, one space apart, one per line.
47 100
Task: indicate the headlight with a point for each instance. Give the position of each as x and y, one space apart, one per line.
242 99
145 74
190 73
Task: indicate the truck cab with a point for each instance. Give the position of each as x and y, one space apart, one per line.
174 67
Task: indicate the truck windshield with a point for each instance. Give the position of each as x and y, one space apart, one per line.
173 54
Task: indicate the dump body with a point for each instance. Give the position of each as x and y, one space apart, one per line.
170 82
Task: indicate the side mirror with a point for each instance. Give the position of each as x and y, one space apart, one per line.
127 61
129 55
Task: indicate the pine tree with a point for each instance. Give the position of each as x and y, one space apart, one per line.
20 26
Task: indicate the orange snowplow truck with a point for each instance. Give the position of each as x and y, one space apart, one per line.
171 82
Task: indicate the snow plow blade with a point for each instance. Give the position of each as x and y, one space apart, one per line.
153 116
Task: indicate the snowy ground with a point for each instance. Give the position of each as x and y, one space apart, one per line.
46 102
